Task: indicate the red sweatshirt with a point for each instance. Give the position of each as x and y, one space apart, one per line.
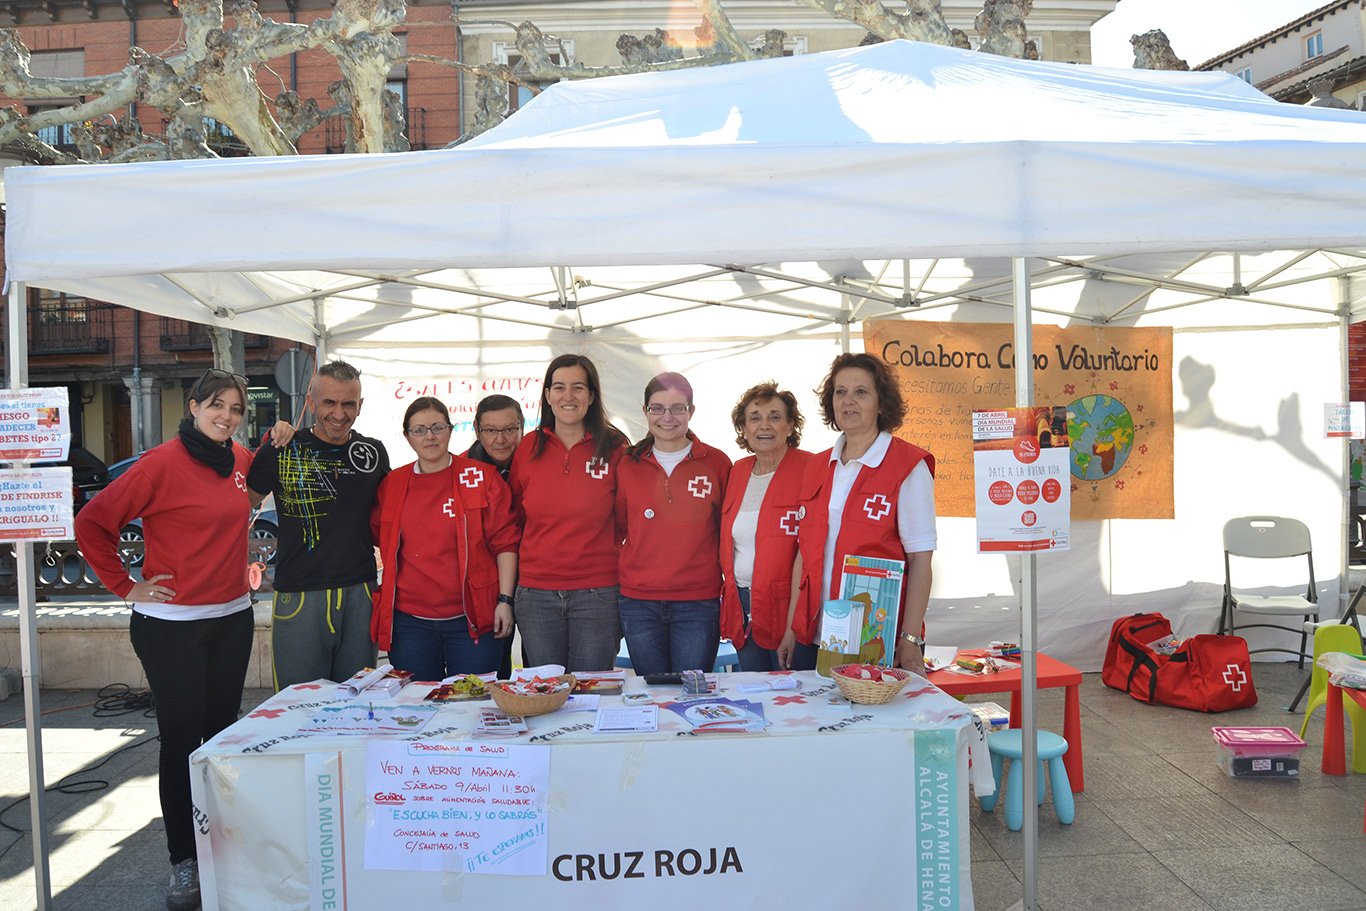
672 525
194 524
565 499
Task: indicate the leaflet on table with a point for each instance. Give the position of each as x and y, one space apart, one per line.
456 807
626 719
497 723
376 683
783 681
938 657
361 717
721 715
875 583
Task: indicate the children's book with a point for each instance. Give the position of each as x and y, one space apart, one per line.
875 583
718 715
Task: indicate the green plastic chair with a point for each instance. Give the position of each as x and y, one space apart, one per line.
1336 637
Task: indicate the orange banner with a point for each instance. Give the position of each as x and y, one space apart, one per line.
1115 383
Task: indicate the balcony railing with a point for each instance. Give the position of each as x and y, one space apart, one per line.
183 335
70 327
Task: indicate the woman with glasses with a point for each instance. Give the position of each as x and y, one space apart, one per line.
871 495
191 625
448 536
564 479
759 531
669 502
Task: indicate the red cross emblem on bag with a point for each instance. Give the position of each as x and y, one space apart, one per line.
700 486
877 506
597 468
471 477
788 523
1235 677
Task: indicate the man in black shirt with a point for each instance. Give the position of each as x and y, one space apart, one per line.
324 483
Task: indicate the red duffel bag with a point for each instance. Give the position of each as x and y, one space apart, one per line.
1208 673
1130 665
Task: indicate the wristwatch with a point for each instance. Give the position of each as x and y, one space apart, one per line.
506 599
916 640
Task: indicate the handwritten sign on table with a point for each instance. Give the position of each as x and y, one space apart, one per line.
467 807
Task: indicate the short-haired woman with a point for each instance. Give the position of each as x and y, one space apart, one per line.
448 536
759 531
871 495
669 502
564 481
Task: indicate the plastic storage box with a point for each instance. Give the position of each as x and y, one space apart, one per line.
1258 752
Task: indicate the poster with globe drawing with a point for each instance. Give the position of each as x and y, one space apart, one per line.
1114 383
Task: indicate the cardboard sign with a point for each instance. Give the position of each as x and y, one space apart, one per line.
35 505
34 425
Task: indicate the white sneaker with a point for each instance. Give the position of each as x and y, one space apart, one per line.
183 894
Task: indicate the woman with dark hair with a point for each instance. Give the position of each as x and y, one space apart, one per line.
448 536
871 495
564 481
192 624
759 531
669 502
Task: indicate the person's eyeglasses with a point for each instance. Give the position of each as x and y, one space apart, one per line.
501 431
676 410
215 374
435 429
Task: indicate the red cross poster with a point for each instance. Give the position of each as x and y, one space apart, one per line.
1020 472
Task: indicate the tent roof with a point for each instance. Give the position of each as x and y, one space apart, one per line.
897 151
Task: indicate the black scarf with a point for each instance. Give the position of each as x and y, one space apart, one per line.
217 456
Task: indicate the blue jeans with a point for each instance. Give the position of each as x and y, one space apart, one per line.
578 629
754 657
434 649
671 636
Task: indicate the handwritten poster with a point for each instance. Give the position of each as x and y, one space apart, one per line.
35 504
1020 468
35 424
457 807
1114 382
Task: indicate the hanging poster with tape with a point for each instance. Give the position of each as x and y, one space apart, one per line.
35 425
1020 469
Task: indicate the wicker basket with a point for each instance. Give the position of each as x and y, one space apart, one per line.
518 704
870 692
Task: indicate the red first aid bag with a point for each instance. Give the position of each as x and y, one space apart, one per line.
1208 673
1130 664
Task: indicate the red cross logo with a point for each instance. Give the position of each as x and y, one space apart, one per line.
449 507
471 477
786 700
306 686
877 507
267 713
788 523
700 486
597 468
235 738
240 481
1235 677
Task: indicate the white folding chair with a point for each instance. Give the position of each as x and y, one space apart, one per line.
1268 538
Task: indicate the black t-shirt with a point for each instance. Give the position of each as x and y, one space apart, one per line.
323 494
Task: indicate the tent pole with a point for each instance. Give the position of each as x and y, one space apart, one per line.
845 313
1343 292
1029 632
319 334
28 627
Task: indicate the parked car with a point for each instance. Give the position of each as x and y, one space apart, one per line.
89 475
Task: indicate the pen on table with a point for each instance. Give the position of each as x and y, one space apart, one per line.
372 711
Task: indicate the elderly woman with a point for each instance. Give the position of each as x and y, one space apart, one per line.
759 531
564 480
448 536
871 495
191 625
669 502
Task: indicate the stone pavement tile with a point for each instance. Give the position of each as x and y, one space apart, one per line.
979 848
1202 766
1253 877
1110 882
1092 832
1187 823
102 855
1100 737
994 886
1304 814
1126 777
148 897
1345 856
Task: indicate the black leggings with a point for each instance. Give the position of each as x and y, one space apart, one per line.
196 669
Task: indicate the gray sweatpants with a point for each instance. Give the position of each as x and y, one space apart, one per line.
321 634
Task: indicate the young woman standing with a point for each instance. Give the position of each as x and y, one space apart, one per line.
564 482
192 621
669 501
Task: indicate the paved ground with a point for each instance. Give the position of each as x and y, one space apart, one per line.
1159 825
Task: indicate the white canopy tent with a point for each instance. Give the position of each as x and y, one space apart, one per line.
899 179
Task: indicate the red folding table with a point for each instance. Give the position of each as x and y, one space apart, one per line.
1334 749
1051 672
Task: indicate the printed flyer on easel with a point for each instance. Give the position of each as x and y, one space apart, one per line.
1023 483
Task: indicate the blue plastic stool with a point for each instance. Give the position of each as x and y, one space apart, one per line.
1009 744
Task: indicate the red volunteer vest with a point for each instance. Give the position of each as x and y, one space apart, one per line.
868 527
775 550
